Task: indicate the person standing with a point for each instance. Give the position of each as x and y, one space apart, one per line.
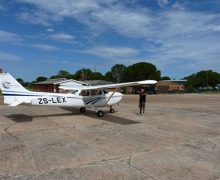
142 101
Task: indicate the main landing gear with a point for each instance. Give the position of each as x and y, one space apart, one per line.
82 109
100 113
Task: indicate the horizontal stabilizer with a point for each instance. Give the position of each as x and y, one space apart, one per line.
15 103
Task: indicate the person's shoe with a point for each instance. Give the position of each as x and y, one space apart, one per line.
140 113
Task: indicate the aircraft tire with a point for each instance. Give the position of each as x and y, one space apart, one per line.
111 110
82 109
100 113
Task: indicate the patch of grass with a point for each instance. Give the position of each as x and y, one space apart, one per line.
211 92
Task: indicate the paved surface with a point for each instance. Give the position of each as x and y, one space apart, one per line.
177 138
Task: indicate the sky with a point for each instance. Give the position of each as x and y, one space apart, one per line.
40 38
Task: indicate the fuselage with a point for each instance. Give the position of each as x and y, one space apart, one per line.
78 98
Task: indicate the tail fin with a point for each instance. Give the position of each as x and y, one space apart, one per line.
11 89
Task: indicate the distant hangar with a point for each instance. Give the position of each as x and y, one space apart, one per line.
52 85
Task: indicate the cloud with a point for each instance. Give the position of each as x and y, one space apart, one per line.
9 57
2 6
45 47
178 5
180 33
135 22
97 15
162 3
63 37
114 53
49 30
38 16
10 37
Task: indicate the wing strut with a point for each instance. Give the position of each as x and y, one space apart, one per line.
111 96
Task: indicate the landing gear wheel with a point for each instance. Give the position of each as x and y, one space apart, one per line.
100 113
111 110
82 109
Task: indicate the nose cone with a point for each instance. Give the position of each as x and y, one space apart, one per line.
118 97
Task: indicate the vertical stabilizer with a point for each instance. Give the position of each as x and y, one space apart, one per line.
8 83
11 89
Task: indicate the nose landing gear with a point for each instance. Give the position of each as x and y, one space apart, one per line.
111 110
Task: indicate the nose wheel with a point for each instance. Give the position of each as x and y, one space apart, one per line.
111 110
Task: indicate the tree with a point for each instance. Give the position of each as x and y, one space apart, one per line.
203 79
109 76
83 74
96 76
41 78
165 78
117 72
71 76
191 82
213 78
141 71
63 74
20 81
54 77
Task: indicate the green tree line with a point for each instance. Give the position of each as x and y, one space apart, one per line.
136 72
202 79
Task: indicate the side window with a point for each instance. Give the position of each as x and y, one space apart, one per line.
84 93
96 92
93 92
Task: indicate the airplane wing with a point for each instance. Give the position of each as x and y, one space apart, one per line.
136 83
73 87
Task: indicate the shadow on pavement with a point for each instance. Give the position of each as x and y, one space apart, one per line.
18 118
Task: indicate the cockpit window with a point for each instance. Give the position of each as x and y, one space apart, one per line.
105 91
96 92
84 93
74 92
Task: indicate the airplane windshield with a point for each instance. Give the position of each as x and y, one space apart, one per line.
105 91
74 92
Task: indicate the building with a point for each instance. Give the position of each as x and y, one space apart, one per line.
52 85
171 85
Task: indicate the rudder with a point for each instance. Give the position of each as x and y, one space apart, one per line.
11 88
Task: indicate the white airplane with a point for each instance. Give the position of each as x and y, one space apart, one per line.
81 96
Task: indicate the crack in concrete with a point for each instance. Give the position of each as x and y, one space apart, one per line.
10 134
88 142
134 167
21 145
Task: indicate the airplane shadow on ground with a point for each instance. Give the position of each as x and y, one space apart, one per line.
110 117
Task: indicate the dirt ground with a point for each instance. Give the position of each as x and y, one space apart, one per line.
178 137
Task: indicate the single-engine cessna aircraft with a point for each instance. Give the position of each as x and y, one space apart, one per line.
81 96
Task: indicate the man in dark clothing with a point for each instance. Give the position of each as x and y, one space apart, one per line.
142 101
